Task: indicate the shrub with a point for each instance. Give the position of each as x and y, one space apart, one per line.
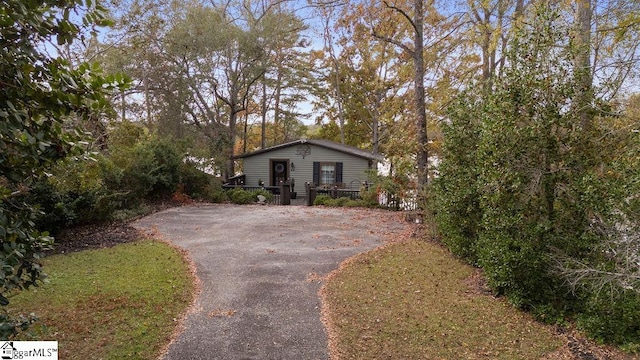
339 201
267 194
322 200
131 212
199 185
74 195
151 170
327 200
613 319
520 183
194 181
369 198
241 197
53 214
166 174
457 199
214 192
125 135
354 203
85 191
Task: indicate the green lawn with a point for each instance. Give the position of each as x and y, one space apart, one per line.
116 303
412 300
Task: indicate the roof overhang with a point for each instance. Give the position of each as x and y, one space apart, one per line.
347 149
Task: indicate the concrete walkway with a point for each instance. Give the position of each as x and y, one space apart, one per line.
260 269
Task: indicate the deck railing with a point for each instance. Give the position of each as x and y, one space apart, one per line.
406 202
274 190
336 193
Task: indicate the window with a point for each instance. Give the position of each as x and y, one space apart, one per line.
327 173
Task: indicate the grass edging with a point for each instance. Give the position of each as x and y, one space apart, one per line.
410 300
127 301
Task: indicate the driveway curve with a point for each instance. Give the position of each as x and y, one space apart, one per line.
260 269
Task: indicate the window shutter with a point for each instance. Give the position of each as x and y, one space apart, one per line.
316 173
338 172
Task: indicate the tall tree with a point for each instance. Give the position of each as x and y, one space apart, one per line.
198 67
435 43
221 62
333 76
372 76
416 52
287 78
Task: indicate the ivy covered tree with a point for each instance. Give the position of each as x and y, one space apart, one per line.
40 95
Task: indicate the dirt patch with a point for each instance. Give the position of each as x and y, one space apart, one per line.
477 284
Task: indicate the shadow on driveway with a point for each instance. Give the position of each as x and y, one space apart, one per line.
260 269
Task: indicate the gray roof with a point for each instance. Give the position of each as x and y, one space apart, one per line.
347 149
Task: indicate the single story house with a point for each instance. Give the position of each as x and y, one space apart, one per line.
321 162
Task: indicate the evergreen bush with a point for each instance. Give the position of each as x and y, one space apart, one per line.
322 200
522 186
241 196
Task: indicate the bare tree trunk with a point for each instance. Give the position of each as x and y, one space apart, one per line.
375 126
263 129
487 54
245 136
147 96
417 55
233 118
519 9
421 113
336 78
583 62
339 97
276 105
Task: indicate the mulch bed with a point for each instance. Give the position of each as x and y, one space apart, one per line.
94 237
97 236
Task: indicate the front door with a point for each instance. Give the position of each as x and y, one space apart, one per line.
279 171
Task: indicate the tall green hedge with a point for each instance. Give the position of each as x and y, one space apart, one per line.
458 212
522 184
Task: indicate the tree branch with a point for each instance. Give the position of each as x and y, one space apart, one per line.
404 14
394 42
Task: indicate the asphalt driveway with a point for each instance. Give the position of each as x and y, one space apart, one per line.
260 269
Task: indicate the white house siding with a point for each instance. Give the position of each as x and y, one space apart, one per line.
256 167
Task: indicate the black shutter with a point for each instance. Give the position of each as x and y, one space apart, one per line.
338 172
316 173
